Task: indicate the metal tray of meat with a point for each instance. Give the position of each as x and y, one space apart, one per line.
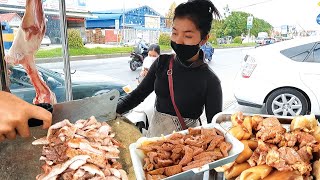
137 155
224 119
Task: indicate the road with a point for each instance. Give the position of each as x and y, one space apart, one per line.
226 64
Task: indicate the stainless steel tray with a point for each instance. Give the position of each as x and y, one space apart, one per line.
224 119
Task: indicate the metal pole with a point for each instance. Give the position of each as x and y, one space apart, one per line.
123 22
4 83
66 61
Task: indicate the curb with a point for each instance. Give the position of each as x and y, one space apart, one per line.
80 58
86 57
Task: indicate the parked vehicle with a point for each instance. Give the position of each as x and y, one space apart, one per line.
284 77
208 51
83 84
46 41
137 56
267 41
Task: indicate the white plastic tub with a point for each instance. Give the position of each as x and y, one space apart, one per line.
137 155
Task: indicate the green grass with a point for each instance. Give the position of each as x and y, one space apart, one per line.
57 52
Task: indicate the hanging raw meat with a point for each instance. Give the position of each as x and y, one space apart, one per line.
26 43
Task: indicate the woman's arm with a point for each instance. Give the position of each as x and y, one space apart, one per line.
14 116
213 103
140 93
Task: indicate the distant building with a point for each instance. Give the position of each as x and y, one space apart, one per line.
125 25
76 12
13 19
138 18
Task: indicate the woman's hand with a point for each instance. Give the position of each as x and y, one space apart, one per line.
14 116
144 72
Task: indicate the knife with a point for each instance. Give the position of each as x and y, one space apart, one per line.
103 107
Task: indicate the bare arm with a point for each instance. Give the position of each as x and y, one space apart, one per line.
14 116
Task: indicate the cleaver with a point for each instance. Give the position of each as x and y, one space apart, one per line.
103 107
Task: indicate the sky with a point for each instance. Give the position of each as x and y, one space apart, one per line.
301 13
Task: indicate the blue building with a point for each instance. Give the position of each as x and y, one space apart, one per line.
144 18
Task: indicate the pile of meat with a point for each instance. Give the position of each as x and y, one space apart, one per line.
84 150
178 152
271 150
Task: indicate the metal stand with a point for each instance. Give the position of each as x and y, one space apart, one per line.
4 83
64 37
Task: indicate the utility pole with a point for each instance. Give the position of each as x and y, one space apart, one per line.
123 22
249 25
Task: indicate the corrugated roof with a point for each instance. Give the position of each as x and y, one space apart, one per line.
117 13
8 16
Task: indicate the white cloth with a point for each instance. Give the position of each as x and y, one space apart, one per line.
165 124
147 62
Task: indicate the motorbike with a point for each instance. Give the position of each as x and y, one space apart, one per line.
137 58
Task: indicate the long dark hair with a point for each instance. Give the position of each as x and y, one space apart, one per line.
199 12
154 47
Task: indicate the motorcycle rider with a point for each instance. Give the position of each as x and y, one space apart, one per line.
153 54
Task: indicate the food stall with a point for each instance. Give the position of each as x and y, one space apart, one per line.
197 154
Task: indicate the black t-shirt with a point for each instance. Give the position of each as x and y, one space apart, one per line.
195 86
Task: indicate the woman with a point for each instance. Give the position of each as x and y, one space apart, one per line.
15 113
153 54
193 85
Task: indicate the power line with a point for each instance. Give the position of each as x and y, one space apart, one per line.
262 2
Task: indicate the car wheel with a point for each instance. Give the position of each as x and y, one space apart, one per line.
141 125
133 66
286 102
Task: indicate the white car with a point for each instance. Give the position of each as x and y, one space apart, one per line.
46 41
285 77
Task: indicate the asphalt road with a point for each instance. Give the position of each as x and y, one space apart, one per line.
226 64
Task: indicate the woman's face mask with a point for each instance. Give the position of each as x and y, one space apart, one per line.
185 39
185 52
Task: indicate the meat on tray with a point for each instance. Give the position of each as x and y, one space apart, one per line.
84 150
273 151
178 152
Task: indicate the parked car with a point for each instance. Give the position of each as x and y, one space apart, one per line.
267 41
259 40
46 41
83 84
284 77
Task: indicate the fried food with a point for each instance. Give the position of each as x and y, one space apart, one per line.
178 153
306 123
245 154
284 175
270 145
256 173
236 170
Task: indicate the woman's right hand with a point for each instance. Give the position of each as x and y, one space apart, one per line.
14 116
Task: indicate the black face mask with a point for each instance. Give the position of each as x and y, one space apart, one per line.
185 52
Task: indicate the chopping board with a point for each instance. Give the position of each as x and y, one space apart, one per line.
19 159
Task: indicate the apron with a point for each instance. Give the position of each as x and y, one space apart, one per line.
164 124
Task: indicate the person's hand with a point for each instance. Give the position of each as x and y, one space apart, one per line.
14 116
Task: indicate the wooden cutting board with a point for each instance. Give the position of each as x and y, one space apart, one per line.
19 159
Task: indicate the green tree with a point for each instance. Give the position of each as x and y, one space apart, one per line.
74 38
236 24
217 28
169 15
